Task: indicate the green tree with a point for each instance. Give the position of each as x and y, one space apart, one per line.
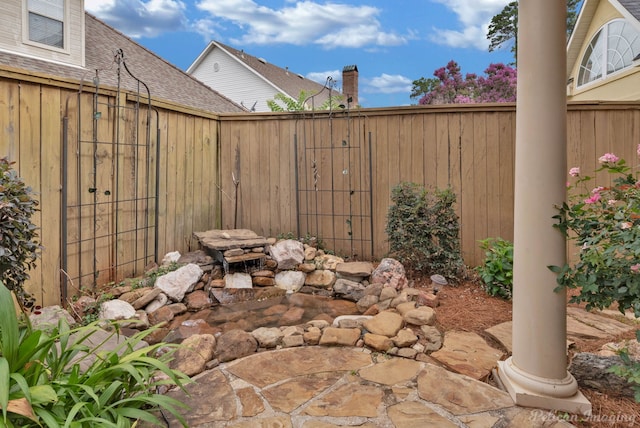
282 102
423 86
503 28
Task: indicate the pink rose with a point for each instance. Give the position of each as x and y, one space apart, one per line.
608 158
635 268
575 171
592 199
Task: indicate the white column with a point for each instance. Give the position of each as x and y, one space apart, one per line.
536 374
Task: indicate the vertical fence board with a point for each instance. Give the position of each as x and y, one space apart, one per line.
28 130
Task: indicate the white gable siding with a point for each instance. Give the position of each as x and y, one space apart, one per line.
13 39
234 80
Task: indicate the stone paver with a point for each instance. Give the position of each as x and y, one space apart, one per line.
325 387
467 353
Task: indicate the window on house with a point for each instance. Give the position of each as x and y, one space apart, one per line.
46 22
612 49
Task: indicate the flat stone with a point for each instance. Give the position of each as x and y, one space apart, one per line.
194 354
410 414
502 333
607 325
351 399
146 298
267 422
378 342
197 300
405 338
252 404
362 269
458 394
385 323
323 278
289 395
424 315
222 240
482 420
202 411
263 281
391 372
292 316
235 344
276 366
468 354
332 336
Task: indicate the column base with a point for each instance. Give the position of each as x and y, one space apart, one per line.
532 394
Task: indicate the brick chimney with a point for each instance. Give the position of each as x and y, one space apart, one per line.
350 84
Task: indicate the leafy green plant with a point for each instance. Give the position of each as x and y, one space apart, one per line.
496 270
423 230
629 370
65 378
282 102
19 245
605 224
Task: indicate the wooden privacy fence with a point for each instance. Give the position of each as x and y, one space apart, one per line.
284 157
328 175
106 236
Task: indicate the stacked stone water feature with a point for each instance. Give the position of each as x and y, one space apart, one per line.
350 303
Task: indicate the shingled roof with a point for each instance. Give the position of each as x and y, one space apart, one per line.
632 6
285 80
165 81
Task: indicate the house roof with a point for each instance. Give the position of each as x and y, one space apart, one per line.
165 81
630 9
283 79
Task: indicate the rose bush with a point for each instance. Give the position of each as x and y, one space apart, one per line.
604 221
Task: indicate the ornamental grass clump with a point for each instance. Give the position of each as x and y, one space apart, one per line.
604 221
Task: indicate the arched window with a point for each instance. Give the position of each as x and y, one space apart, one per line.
614 47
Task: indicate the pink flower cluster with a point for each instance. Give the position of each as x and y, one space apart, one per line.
575 171
498 85
635 268
593 198
608 158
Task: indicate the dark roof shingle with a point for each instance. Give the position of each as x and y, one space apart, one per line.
165 81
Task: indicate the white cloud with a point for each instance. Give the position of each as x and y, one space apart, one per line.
138 18
329 25
321 76
388 84
474 17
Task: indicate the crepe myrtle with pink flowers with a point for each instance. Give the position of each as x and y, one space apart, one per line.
498 85
605 223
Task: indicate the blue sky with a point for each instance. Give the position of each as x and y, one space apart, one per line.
393 42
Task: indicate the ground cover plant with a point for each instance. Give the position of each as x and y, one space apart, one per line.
64 378
496 271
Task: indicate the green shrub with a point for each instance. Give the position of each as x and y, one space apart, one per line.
423 230
604 222
42 383
19 244
496 270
